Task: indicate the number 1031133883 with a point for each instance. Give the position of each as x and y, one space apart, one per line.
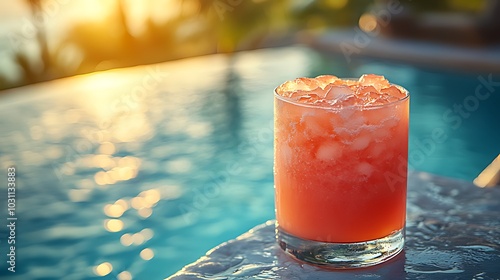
11 191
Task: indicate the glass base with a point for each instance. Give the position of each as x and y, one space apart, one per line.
342 255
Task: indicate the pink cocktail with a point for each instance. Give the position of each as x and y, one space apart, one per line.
340 169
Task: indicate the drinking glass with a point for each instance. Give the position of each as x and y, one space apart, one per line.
340 180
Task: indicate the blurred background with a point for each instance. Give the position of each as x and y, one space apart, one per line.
142 131
49 39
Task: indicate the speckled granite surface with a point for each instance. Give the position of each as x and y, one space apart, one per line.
453 232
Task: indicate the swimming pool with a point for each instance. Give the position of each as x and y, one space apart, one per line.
137 172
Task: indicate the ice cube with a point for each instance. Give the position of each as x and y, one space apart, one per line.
309 98
367 92
325 80
393 91
315 123
353 118
365 169
380 134
347 82
334 92
351 100
391 122
299 84
379 82
384 99
286 88
296 95
347 113
377 150
360 142
327 90
313 129
329 151
306 84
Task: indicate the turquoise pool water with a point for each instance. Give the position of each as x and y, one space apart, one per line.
138 172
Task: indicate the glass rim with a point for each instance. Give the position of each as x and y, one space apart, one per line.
333 108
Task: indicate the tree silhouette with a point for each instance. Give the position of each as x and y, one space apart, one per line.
30 73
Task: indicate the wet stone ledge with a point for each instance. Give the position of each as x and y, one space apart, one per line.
452 232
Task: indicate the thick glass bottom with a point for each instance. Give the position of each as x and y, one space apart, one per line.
342 255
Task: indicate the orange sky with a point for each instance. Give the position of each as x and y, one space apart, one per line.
58 13
15 20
